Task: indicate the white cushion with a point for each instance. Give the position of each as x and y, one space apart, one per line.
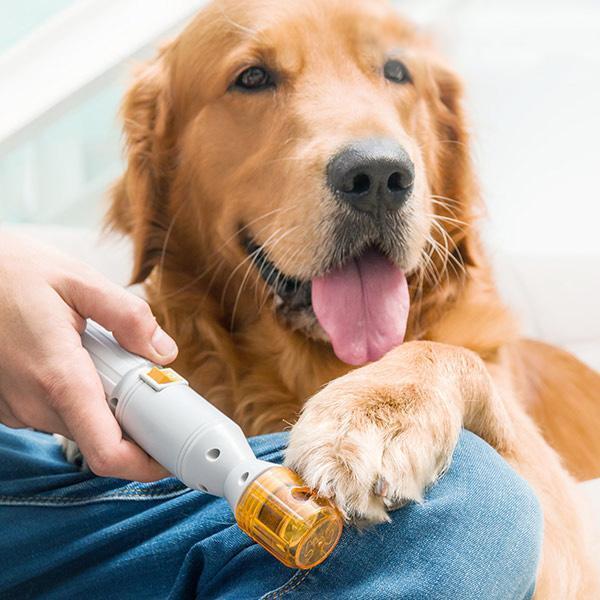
556 299
591 493
110 254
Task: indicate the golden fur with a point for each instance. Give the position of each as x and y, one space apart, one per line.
206 163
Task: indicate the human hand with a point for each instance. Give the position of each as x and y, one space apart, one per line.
47 379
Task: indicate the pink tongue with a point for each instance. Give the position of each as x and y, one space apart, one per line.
363 306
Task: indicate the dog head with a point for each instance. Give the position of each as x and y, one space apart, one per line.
306 157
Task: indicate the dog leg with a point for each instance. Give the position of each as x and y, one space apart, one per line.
567 567
71 451
380 435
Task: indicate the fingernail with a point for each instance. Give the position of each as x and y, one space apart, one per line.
162 343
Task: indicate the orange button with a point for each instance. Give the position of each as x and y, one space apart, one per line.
163 376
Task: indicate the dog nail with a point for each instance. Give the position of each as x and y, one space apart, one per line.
381 487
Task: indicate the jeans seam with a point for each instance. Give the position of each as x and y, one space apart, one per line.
137 496
292 584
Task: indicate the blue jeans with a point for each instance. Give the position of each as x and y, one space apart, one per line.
67 534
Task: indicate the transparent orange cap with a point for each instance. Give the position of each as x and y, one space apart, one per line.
289 520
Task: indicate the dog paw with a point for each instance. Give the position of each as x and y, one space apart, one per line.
71 451
372 450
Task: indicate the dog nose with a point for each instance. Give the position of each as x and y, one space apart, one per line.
372 175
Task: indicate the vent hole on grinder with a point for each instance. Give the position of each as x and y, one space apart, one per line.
202 488
113 402
244 477
213 454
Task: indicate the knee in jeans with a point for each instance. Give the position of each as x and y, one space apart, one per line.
506 517
505 499
476 535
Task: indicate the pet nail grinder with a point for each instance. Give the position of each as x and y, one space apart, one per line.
207 451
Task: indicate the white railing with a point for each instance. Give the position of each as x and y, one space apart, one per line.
74 51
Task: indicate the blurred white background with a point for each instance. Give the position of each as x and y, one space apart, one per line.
533 82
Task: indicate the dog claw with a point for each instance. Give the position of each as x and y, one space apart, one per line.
381 487
391 504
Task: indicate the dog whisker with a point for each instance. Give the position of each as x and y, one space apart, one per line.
248 259
438 273
454 211
218 257
276 211
446 199
163 253
239 293
462 224
458 266
252 257
431 269
264 290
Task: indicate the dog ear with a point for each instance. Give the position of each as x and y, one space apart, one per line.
139 198
455 178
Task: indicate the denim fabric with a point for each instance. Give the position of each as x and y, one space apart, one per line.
67 534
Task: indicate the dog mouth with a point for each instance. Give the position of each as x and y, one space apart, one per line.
360 307
291 294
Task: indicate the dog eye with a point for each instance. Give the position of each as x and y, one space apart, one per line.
395 71
254 79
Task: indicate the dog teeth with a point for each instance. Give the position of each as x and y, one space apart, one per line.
278 301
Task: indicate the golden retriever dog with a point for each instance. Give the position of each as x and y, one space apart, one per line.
304 213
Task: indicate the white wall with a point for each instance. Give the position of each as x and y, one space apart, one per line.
19 18
62 85
532 70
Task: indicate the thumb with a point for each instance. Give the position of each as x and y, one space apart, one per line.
127 316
